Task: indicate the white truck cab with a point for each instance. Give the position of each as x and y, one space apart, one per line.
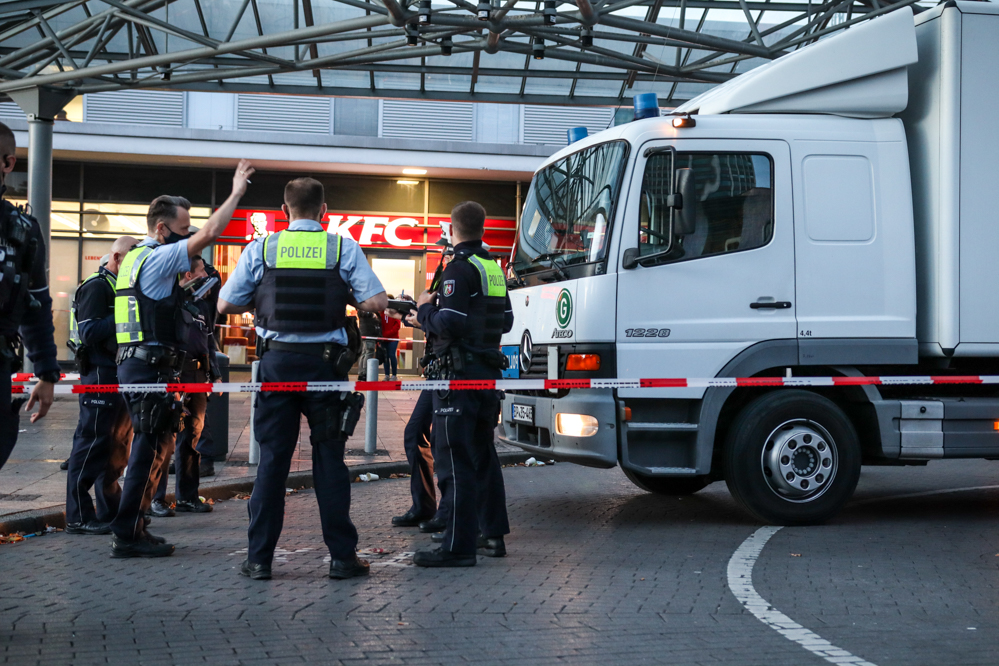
828 214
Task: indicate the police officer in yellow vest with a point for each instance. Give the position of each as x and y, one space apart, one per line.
151 327
104 431
466 319
300 282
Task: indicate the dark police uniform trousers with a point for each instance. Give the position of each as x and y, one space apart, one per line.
464 422
100 451
187 460
420 449
276 422
10 407
146 460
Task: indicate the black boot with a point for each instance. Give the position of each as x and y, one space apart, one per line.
349 568
255 571
193 506
408 519
160 509
139 548
435 524
442 558
491 546
89 527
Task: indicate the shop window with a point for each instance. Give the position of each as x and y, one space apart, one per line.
138 184
63 281
111 218
499 199
65 181
235 333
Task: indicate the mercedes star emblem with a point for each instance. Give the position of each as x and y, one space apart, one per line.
526 348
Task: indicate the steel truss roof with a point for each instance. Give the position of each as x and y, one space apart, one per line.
676 48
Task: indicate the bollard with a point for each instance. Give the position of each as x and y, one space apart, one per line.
254 444
371 415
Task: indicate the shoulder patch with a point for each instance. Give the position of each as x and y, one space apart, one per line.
448 287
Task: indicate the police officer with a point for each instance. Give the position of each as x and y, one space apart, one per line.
471 314
151 328
300 282
104 431
198 368
25 307
418 440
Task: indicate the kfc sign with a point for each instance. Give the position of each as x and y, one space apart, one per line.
259 224
372 227
367 230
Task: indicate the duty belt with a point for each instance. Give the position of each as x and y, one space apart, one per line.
161 357
328 351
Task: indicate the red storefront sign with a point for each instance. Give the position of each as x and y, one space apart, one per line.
368 230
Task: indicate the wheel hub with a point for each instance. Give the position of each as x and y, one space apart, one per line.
799 460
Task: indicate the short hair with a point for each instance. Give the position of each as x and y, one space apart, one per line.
196 258
305 197
164 209
7 142
469 219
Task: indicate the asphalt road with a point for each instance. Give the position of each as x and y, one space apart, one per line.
599 572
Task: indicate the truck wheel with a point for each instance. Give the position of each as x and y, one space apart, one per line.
792 458
667 485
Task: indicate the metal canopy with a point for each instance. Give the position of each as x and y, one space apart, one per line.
592 51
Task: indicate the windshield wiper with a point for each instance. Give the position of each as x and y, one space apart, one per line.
517 280
555 266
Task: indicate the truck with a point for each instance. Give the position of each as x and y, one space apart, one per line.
828 215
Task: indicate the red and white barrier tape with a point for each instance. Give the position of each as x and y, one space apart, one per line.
522 384
27 376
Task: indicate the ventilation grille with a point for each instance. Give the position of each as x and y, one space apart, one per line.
453 121
11 110
548 124
283 113
136 107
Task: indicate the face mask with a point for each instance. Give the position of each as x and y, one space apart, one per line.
172 237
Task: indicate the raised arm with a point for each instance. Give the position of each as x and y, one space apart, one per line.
220 218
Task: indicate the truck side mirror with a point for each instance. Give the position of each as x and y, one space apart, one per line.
684 203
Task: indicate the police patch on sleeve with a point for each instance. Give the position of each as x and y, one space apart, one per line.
448 287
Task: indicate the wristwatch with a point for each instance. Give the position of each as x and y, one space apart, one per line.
51 376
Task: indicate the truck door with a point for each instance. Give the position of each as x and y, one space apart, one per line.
698 296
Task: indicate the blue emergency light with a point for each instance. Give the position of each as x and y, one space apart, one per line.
576 134
646 106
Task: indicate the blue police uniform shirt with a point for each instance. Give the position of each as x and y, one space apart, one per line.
354 270
160 269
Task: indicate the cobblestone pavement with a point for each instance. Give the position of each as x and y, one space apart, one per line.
598 573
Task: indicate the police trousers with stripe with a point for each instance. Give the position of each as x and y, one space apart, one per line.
465 455
187 459
276 422
147 460
100 451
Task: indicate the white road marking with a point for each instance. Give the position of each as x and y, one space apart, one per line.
740 581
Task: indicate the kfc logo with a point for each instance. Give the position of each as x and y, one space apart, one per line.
259 225
385 227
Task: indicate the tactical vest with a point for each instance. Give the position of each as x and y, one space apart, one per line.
74 327
486 312
302 290
17 253
139 319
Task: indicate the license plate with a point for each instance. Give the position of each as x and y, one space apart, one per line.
523 414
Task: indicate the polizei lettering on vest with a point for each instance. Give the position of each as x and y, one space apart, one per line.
300 252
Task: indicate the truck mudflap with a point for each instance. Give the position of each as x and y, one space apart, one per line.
530 422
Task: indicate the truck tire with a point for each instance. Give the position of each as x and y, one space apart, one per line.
792 458
666 485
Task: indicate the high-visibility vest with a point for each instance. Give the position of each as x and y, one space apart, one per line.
486 312
302 290
139 319
74 328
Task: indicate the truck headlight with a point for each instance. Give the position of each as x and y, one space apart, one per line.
576 425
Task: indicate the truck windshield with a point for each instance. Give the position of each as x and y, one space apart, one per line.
568 212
